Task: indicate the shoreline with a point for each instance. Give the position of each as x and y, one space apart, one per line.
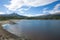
5 35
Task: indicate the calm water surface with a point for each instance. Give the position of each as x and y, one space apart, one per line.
36 29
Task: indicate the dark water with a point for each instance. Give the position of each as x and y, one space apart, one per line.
36 29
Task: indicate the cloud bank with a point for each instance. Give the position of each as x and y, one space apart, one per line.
15 4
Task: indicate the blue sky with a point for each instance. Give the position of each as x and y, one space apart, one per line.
29 7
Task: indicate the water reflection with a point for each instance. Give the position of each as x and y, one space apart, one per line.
36 29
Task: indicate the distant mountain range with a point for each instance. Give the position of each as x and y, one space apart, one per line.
49 16
17 16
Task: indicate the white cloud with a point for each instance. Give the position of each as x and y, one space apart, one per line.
36 3
15 4
22 10
2 13
57 7
55 10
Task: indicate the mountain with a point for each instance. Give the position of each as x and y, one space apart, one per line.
11 16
